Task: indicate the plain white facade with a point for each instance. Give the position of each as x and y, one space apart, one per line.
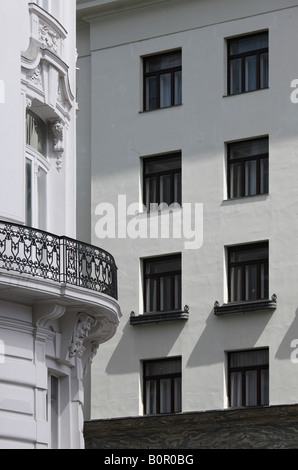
115 135
50 325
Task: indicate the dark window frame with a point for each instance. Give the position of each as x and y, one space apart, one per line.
157 378
147 175
242 161
244 264
242 56
157 277
157 74
243 369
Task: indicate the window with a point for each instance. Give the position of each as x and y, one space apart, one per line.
36 167
248 272
248 63
36 133
162 386
162 180
248 378
162 80
162 289
248 172
54 410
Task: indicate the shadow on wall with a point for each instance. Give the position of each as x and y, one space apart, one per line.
218 332
289 344
139 346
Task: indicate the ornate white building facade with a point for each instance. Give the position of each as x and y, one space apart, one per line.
58 297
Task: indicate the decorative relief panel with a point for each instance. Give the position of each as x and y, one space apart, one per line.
49 38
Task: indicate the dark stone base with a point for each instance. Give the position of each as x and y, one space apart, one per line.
272 427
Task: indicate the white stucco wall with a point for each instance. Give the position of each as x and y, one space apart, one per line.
31 336
121 134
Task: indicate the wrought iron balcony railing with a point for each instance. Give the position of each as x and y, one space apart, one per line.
37 253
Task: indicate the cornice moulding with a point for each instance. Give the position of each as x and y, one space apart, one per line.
91 11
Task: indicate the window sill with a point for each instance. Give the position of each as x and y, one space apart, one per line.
229 95
145 111
159 317
243 307
240 199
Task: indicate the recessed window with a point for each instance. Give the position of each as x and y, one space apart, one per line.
248 169
248 63
162 386
248 378
36 168
162 284
36 133
162 180
54 410
162 80
248 272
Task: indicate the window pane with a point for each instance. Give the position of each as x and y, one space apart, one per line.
151 93
251 388
249 358
264 70
28 192
151 295
250 73
264 387
251 282
165 189
236 389
150 405
163 367
264 281
249 253
264 176
165 90
178 87
36 133
165 294
165 396
162 62
42 201
177 292
235 180
54 411
177 395
250 178
248 148
236 284
248 43
177 188
163 265
161 164
235 76
151 195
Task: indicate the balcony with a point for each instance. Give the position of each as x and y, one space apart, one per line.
40 261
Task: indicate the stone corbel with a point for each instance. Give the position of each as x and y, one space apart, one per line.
45 314
58 134
82 328
28 103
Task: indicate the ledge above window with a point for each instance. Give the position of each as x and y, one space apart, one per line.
249 306
159 317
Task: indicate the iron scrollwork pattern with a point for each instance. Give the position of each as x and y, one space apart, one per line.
38 253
